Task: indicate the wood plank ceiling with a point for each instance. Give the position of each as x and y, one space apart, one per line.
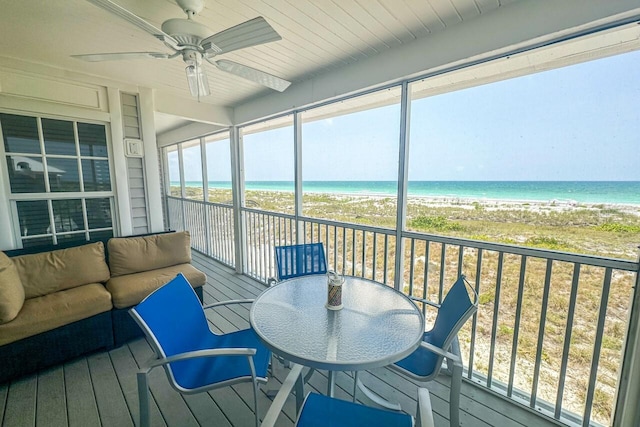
319 36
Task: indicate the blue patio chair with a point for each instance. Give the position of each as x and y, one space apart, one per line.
299 260
441 342
194 358
320 411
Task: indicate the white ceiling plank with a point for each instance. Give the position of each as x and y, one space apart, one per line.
324 41
547 19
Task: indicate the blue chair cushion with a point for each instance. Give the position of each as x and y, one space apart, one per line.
421 362
323 411
175 323
204 371
300 260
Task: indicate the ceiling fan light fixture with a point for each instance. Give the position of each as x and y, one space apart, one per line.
198 81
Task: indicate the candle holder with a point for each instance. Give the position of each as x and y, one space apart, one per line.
334 290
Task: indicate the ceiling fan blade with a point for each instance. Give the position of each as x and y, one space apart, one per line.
134 19
95 57
253 32
252 74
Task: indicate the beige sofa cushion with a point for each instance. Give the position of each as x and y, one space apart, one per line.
11 290
53 271
136 254
129 290
58 309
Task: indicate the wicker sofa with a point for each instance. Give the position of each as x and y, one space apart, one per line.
59 304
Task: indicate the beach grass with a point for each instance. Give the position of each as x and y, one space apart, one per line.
514 303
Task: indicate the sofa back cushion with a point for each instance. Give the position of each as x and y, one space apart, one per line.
53 271
129 255
11 290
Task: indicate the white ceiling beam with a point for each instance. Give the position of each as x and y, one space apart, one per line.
186 132
192 110
515 25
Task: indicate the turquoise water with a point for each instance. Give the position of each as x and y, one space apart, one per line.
619 192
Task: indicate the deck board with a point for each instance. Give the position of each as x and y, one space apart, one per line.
21 402
101 389
112 406
51 409
82 409
4 389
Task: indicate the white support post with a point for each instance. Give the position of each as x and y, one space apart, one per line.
237 188
205 196
403 173
167 186
627 411
120 172
8 236
297 152
151 164
183 192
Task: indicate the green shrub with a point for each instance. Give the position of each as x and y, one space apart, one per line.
613 227
547 243
485 298
436 223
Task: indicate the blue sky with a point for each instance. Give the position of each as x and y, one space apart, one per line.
575 123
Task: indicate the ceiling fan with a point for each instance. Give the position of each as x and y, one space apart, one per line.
195 42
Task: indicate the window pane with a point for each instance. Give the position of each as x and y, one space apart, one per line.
20 134
101 235
96 176
174 171
93 140
218 149
99 213
25 174
67 215
350 159
63 174
58 137
33 217
269 165
71 238
192 169
38 241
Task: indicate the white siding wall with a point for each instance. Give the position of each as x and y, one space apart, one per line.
135 166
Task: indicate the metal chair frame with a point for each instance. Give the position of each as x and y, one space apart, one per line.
299 260
162 360
424 412
450 350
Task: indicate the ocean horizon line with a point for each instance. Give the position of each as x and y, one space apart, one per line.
595 192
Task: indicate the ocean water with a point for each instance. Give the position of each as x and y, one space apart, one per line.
609 192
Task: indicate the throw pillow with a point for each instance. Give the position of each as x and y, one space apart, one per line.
11 290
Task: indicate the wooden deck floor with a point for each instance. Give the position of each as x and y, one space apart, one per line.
100 389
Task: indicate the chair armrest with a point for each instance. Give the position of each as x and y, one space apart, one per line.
424 301
275 409
230 302
440 352
272 281
246 352
424 411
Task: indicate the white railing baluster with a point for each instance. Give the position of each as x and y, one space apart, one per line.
567 339
597 347
516 328
494 324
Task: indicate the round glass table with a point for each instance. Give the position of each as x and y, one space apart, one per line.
376 327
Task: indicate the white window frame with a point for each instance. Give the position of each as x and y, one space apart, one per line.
48 195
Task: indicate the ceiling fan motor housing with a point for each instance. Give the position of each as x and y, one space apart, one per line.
186 31
191 7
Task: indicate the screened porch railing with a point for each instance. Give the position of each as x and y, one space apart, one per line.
211 226
550 330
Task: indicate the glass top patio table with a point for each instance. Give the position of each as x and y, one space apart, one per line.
376 327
